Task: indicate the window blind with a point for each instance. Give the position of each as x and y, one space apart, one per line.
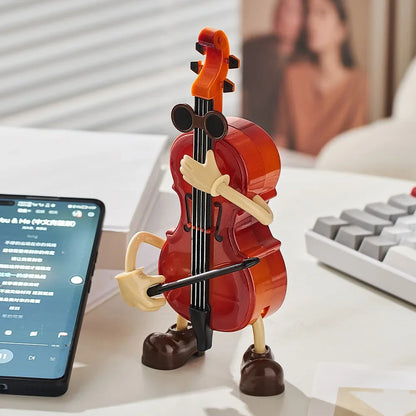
107 65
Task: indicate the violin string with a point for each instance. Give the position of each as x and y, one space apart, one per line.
197 215
203 202
200 210
197 196
208 219
204 216
201 219
193 219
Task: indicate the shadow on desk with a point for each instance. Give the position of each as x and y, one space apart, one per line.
109 379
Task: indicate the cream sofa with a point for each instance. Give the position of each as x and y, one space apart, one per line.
386 147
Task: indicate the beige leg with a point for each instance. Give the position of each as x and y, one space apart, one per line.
259 338
181 323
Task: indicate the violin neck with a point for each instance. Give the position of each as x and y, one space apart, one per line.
200 250
202 143
201 210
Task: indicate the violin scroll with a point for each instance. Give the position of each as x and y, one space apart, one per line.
211 81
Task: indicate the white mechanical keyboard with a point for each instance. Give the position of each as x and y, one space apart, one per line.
376 245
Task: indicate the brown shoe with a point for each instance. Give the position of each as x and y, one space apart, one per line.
260 374
166 351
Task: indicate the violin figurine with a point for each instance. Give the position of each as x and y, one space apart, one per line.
220 269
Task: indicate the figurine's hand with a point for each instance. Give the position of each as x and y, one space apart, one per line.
133 288
205 177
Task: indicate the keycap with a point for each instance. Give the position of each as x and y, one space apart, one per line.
394 244
396 233
404 201
376 247
402 258
386 211
409 241
365 220
352 236
328 226
408 221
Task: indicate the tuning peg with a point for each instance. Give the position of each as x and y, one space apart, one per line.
233 62
228 86
196 66
200 48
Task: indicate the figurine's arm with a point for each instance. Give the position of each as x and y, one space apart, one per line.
208 178
133 283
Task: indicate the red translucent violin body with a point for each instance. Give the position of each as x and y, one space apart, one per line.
251 159
249 156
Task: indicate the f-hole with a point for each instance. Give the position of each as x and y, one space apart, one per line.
218 237
188 226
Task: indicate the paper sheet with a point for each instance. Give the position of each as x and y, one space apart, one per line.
358 390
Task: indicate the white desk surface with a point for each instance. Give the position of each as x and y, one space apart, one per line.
326 316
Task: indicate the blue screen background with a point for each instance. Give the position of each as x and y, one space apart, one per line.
38 305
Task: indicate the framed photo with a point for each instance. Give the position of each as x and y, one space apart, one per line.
313 69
